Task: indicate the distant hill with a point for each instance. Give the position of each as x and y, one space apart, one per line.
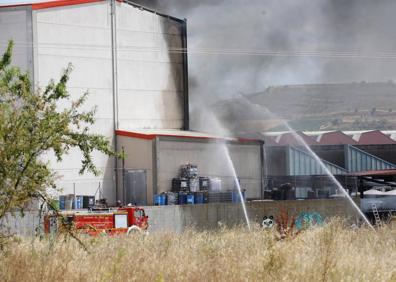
348 106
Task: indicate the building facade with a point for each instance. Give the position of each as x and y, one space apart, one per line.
128 58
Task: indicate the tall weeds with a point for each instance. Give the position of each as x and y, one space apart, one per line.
332 252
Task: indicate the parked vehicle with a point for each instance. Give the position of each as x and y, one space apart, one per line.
122 220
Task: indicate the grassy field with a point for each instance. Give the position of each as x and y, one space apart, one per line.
329 253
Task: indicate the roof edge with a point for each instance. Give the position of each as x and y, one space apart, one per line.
132 3
153 136
135 134
53 4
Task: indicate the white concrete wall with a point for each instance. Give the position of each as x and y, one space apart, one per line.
212 162
150 78
81 35
16 25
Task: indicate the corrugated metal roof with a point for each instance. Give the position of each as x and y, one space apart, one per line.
335 138
150 134
291 139
361 137
373 137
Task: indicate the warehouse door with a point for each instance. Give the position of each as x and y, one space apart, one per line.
136 187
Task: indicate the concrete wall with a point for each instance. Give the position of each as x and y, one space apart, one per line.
150 76
28 224
211 159
138 156
150 70
204 216
16 25
208 216
81 35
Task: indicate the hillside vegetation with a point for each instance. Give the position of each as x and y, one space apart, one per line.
348 106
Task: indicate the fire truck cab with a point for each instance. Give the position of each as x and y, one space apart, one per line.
123 220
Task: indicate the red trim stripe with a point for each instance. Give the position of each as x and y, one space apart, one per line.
152 136
52 4
135 135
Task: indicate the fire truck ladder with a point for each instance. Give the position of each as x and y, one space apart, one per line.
376 215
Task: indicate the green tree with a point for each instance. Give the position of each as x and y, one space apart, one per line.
33 124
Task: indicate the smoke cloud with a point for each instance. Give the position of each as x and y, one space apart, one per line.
255 29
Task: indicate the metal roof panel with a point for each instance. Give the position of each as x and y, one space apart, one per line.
374 137
335 138
150 134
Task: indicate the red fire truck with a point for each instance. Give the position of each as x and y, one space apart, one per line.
123 220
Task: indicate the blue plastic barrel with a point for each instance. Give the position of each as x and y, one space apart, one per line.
62 200
157 200
182 198
198 198
190 199
78 202
163 199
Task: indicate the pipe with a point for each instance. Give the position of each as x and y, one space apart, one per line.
186 109
114 86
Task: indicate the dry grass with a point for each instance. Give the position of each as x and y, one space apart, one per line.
329 253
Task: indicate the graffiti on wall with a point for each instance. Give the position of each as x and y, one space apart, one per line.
302 221
308 219
268 222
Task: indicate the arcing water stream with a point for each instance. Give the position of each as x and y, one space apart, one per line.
215 124
309 150
320 162
234 175
328 172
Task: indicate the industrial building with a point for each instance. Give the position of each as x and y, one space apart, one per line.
341 152
133 62
124 55
347 155
153 159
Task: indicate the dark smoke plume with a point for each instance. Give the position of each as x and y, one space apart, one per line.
362 28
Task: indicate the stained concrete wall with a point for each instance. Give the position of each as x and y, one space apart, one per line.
81 35
28 224
211 159
16 25
204 216
150 70
138 156
210 216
